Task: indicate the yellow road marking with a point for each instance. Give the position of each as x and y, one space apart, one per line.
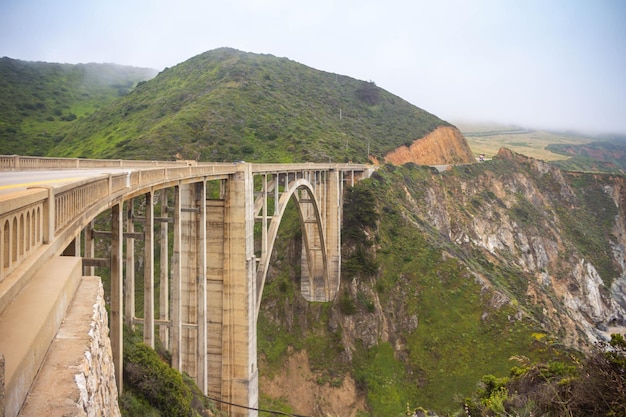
29 184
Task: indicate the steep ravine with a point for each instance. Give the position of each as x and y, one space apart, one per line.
517 255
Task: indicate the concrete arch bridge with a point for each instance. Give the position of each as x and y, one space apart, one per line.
214 225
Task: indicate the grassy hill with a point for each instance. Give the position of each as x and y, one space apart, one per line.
39 100
226 104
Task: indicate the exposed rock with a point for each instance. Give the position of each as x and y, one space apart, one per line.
445 145
297 384
537 245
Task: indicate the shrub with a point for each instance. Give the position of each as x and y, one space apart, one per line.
161 385
360 213
595 386
346 304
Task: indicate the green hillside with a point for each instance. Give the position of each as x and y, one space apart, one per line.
39 100
226 104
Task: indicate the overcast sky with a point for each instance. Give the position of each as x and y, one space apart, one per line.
557 64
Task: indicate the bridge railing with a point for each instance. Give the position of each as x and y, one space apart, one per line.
21 228
19 162
70 203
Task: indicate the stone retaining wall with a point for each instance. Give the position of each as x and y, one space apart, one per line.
77 377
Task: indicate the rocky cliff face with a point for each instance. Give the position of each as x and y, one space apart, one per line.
536 219
445 145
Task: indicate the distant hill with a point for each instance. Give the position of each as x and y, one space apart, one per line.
569 150
227 104
39 100
594 156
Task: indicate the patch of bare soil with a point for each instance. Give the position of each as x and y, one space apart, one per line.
444 145
297 385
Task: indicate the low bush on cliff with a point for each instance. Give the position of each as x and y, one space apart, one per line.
594 386
147 375
152 388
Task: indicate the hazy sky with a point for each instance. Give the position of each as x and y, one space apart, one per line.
538 63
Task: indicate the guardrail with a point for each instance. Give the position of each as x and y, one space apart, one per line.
19 162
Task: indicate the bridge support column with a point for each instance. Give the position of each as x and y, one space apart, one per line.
215 290
333 215
89 248
116 329
129 278
188 279
320 282
148 272
175 304
201 277
239 367
164 273
189 283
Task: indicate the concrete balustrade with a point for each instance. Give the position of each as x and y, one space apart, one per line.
21 228
71 201
208 315
18 162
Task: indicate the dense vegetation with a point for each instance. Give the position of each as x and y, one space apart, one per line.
152 388
588 386
220 105
38 100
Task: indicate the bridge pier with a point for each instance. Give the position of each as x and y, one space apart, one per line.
117 316
215 288
129 278
148 271
213 291
164 313
333 215
192 280
239 367
321 255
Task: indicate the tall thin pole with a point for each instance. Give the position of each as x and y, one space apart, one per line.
176 332
148 273
164 274
201 373
117 250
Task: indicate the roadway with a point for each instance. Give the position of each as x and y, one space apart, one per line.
15 181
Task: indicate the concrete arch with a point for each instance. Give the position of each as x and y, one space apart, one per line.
313 237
